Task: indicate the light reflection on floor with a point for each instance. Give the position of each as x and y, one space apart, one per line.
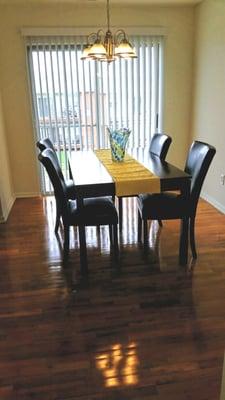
119 365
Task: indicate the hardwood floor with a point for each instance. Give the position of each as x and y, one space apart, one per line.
149 330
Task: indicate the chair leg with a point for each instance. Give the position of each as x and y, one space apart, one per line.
192 237
83 249
145 228
120 201
66 241
111 234
160 223
98 230
115 241
58 214
139 227
183 251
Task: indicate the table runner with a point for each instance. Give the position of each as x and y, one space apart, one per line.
130 176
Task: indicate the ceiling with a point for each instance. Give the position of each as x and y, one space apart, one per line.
143 2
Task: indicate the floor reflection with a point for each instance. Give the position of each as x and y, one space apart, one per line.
151 330
163 245
100 237
119 365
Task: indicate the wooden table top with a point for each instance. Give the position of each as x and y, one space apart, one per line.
91 177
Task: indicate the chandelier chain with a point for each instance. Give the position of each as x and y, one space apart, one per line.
108 16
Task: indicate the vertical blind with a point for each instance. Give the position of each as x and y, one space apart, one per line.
74 101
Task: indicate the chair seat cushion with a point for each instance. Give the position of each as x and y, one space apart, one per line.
165 205
96 211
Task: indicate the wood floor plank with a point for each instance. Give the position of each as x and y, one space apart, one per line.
148 330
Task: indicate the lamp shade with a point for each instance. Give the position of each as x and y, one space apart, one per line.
124 49
85 53
97 50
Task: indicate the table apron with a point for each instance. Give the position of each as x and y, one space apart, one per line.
96 190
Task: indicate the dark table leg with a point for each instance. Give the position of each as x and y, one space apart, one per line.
120 202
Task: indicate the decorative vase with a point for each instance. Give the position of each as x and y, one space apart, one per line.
118 140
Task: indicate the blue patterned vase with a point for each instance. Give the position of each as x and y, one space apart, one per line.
118 139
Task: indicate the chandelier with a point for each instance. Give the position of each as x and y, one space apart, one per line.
107 46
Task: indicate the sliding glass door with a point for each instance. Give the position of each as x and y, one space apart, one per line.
74 101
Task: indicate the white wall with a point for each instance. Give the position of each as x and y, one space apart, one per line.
209 92
178 22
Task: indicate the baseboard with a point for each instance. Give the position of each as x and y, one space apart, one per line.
222 393
7 208
214 202
20 195
10 202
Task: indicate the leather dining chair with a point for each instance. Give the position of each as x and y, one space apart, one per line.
44 144
159 147
94 212
170 205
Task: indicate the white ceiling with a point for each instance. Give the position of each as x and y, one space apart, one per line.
146 2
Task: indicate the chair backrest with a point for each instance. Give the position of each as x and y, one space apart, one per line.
159 145
50 161
45 143
197 164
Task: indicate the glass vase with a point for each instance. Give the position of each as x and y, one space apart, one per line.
118 140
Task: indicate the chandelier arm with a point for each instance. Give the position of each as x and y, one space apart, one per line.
100 33
118 33
93 36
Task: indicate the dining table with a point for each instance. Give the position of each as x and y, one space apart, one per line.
93 179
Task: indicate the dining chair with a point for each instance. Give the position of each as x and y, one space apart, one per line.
44 144
170 205
94 211
159 147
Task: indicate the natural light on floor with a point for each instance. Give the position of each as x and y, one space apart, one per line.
119 365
